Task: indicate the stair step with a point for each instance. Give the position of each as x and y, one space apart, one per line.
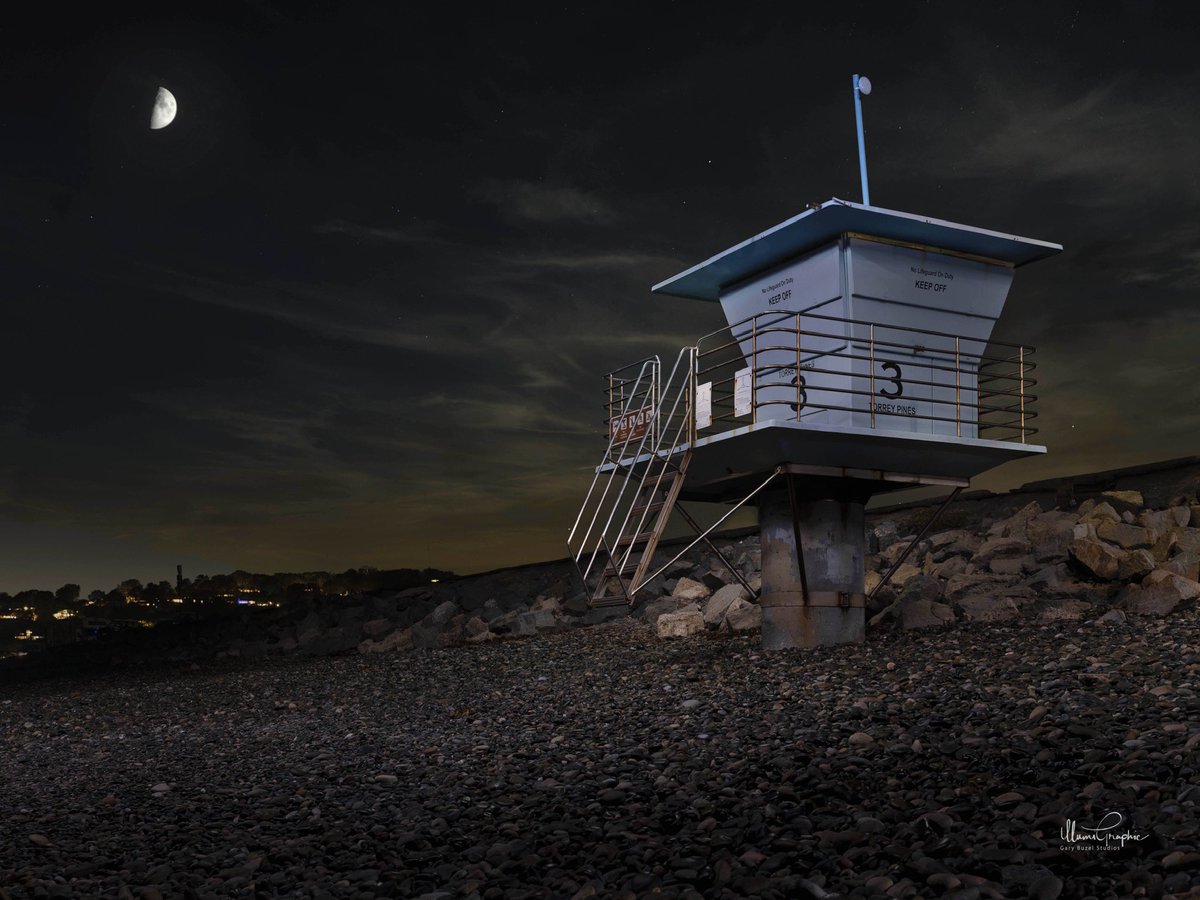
617 600
649 507
635 538
666 473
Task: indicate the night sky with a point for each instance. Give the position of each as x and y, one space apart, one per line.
354 305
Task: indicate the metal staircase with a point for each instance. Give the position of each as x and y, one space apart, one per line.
637 484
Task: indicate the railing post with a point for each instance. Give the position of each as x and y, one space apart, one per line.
957 390
655 399
1021 356
610 404
753 370
693 380
799 377
872 397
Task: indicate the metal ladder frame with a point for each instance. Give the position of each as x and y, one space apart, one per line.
676 430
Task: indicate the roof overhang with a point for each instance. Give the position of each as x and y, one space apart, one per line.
817 226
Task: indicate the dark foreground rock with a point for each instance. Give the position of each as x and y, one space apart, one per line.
603 762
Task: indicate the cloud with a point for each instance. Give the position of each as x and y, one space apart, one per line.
545 204
595 262
416 234
1111 142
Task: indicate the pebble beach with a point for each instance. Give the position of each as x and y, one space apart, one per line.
602 762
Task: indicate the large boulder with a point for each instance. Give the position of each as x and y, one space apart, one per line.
947 568
544 604
921 587
1136 565
1016 525
683 623
957 542
330 641
1002 548
961 585
441 615
400 639
1159 597
919 613
680 567
1161 522
871 581
526 624
743 616
1124 501
1185 564
1127 537
576 605
904 575
717 577
886 534
1166 546
979 608
1012 565
602 614
895 550
374 628
1056 581
943 539
1101 512
476 631
1188 541
1050 534
718 604
1097 558
662 605
691 591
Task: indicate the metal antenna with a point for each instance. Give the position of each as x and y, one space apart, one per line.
862 87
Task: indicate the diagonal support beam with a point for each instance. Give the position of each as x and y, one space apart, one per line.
909 549
713 547
717 524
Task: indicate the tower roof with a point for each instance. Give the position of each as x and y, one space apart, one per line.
819 225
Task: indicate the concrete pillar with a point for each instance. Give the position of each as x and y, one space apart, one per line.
834 552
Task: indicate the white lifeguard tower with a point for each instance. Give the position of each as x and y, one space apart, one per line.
857 360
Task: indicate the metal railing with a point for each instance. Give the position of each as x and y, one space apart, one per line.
844 372
642 389
640 426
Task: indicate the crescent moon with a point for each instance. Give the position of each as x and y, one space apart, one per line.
164 110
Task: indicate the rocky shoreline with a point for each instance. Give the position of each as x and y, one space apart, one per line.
1110 557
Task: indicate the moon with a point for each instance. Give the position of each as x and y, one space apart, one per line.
164 110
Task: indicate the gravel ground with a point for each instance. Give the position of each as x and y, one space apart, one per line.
600 762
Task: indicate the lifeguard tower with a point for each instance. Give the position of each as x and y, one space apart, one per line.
857 360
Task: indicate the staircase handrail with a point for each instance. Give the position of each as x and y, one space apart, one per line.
649 372
685 393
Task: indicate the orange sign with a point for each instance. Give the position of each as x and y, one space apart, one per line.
631 426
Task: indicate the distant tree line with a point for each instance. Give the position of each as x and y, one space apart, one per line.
122 600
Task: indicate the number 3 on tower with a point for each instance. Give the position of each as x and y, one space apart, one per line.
898 391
